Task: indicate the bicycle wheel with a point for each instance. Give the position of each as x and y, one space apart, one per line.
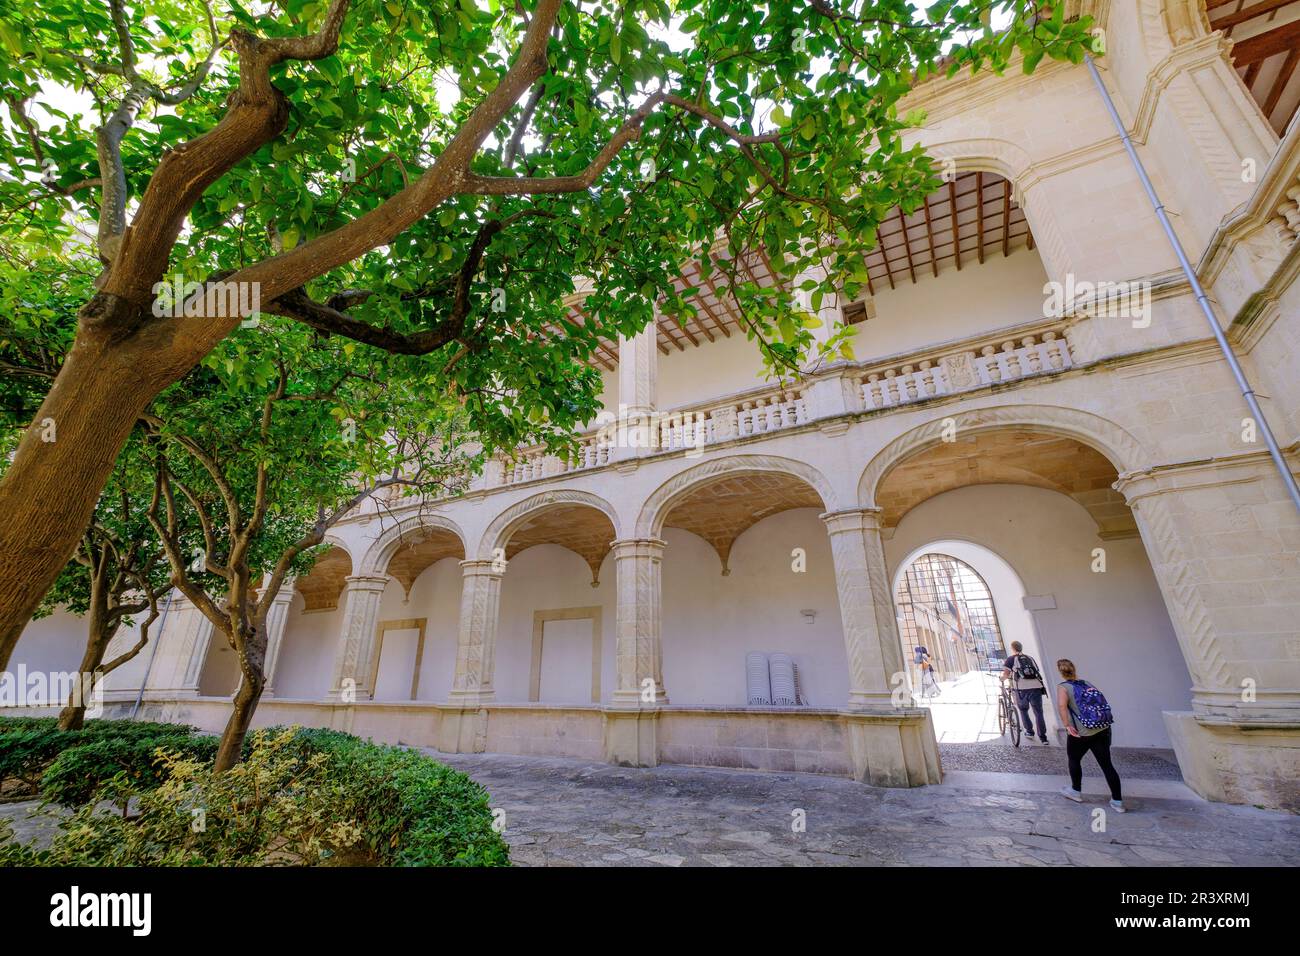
1013 722
1002 714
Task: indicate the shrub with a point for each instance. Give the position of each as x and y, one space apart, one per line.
28 745
300 797
276 807
78 772
412 810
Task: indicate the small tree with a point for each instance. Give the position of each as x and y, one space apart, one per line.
118 573
265 452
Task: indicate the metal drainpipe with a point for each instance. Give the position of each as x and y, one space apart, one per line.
153 652
1229 356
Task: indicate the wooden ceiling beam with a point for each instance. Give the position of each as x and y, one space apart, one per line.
929 237
907 245
1230 20
1256 48
1283 78
1006 217
979 216
704 304
956 231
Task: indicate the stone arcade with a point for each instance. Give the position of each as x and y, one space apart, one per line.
603 607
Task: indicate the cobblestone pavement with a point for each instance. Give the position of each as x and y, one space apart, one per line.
1133 763
562 812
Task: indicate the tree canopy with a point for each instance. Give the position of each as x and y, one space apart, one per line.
436 179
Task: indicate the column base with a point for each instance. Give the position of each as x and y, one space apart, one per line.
631 737
1238 761
463 730
895 748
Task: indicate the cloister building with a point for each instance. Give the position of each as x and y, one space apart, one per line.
1093 465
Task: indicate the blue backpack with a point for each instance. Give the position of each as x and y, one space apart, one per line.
1093 710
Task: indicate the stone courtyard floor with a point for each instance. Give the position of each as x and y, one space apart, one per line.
561 812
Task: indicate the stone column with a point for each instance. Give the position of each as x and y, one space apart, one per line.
480 605
463 724
891 741
277 621
353 671
638 370
1222 538
631 719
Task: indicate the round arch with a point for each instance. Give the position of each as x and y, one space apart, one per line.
504 525
650 521
383 548
1112 441
1013 163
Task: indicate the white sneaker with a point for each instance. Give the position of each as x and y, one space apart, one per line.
1045 743
1118 806
1071 794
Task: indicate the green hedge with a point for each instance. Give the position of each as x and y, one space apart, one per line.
31 745
412 810
409 809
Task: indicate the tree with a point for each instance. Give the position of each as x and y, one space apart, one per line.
265 450
384 173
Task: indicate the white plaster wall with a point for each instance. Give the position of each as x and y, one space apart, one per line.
435 595
711 622
220 676
306 663
1003 292
1114 626
51 644
548 577
716 368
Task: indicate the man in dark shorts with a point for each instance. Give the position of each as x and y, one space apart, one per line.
1026 677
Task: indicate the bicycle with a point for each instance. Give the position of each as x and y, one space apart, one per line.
1008 713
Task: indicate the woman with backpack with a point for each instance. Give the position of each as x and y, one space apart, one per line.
1087 717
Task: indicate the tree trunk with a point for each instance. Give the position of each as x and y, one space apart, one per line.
232 738
73 715
251 649
47 496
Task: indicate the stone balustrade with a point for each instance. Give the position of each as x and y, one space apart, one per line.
968 366
1006 360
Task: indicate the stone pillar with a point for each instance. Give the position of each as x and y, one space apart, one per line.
463 728
638 370
1223 541
827 310
361 599
277 621
891 741
631 737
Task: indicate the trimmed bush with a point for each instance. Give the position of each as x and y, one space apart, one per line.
300 797
79 772
29 745
412 810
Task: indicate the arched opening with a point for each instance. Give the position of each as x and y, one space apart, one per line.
555 632
747 570
414 650
963 605
1041 500
966 259
306 659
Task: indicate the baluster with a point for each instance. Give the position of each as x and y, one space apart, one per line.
909 383
992 366
871 392
1033 361
927 378
1013 360
891 388
1055 358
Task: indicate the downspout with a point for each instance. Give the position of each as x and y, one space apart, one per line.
153 652
1229 356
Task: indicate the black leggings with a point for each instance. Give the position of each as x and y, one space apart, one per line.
1099 745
